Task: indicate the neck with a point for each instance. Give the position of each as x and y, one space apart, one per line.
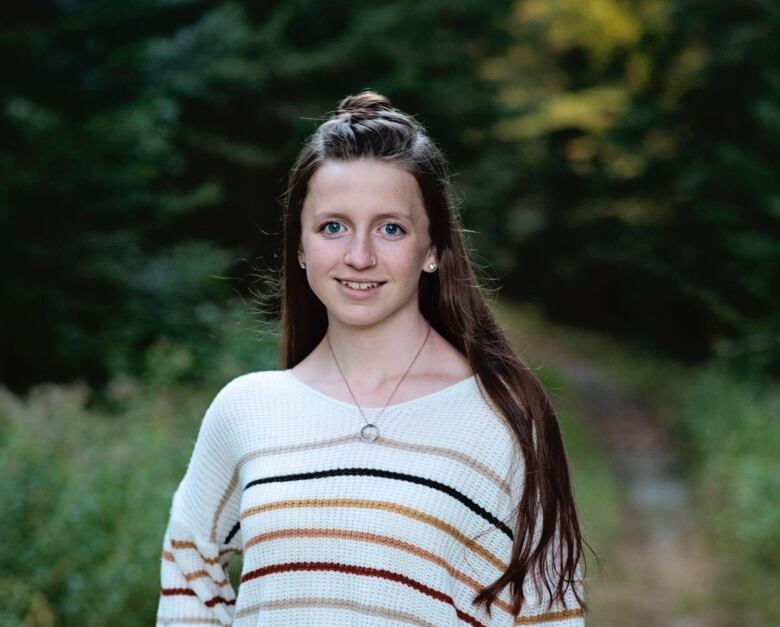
371 355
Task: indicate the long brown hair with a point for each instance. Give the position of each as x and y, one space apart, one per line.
453 301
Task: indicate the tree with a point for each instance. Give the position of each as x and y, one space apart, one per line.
647 135
147 148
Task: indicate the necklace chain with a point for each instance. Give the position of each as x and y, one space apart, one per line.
370 431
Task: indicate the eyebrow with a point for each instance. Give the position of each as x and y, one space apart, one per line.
398 215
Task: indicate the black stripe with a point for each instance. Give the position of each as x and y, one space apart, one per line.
388 474
233 532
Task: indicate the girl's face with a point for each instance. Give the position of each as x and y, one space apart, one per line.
355 212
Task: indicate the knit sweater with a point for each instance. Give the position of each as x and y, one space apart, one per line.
335 530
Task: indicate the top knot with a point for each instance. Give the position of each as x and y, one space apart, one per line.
366 104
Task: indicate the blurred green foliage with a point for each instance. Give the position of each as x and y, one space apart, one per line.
725 432
732 434
615 161
146 146
86 491
596 486
648 139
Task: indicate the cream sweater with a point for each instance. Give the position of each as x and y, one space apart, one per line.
338 531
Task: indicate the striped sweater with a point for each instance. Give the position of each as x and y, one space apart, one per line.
334 530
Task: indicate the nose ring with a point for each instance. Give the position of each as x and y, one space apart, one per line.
373 262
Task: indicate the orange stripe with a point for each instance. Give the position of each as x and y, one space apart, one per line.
187 544
377 539
412 549
487 472
543 618
403 510
365 571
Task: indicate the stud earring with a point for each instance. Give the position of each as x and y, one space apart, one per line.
303 264
432 266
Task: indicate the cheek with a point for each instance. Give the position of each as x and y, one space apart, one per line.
405 263
322 252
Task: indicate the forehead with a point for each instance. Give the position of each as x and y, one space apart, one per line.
363 186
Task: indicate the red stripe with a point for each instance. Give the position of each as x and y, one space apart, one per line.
191 593
361 570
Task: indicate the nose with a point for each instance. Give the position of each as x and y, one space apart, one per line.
359 253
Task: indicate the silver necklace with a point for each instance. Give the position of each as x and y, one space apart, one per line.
370 431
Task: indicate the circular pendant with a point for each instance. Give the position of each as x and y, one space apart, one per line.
369 433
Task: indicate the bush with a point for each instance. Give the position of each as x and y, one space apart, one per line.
86 490
731 432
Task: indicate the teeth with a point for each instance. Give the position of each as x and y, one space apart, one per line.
360 286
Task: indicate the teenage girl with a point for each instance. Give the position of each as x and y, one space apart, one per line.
405 466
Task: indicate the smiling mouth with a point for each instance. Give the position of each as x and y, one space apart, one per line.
361 285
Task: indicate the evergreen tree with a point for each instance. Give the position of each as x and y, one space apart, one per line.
147 144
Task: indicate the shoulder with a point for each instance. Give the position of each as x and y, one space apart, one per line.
250 387
242 396
486 415
497 441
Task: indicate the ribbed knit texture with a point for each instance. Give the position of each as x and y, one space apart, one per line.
337 531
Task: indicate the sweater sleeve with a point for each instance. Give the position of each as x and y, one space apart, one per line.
203 532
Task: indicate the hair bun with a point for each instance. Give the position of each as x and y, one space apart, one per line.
366 104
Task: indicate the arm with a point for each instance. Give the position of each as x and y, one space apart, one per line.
201 536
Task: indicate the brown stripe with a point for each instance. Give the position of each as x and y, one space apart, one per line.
377 539
187 544
189 592
466 460
370 610
544 618
367 537
196 574
189 620
364 571
409 512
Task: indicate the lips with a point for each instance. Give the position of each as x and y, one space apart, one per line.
357 293
372 284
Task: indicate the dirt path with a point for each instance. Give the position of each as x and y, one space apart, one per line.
660 572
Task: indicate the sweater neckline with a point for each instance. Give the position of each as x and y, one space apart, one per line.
413 401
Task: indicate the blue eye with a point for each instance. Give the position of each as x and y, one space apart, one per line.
396 226
325 226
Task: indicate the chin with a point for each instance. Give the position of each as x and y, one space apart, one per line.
356 320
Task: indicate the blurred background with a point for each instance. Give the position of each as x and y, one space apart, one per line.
616 162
